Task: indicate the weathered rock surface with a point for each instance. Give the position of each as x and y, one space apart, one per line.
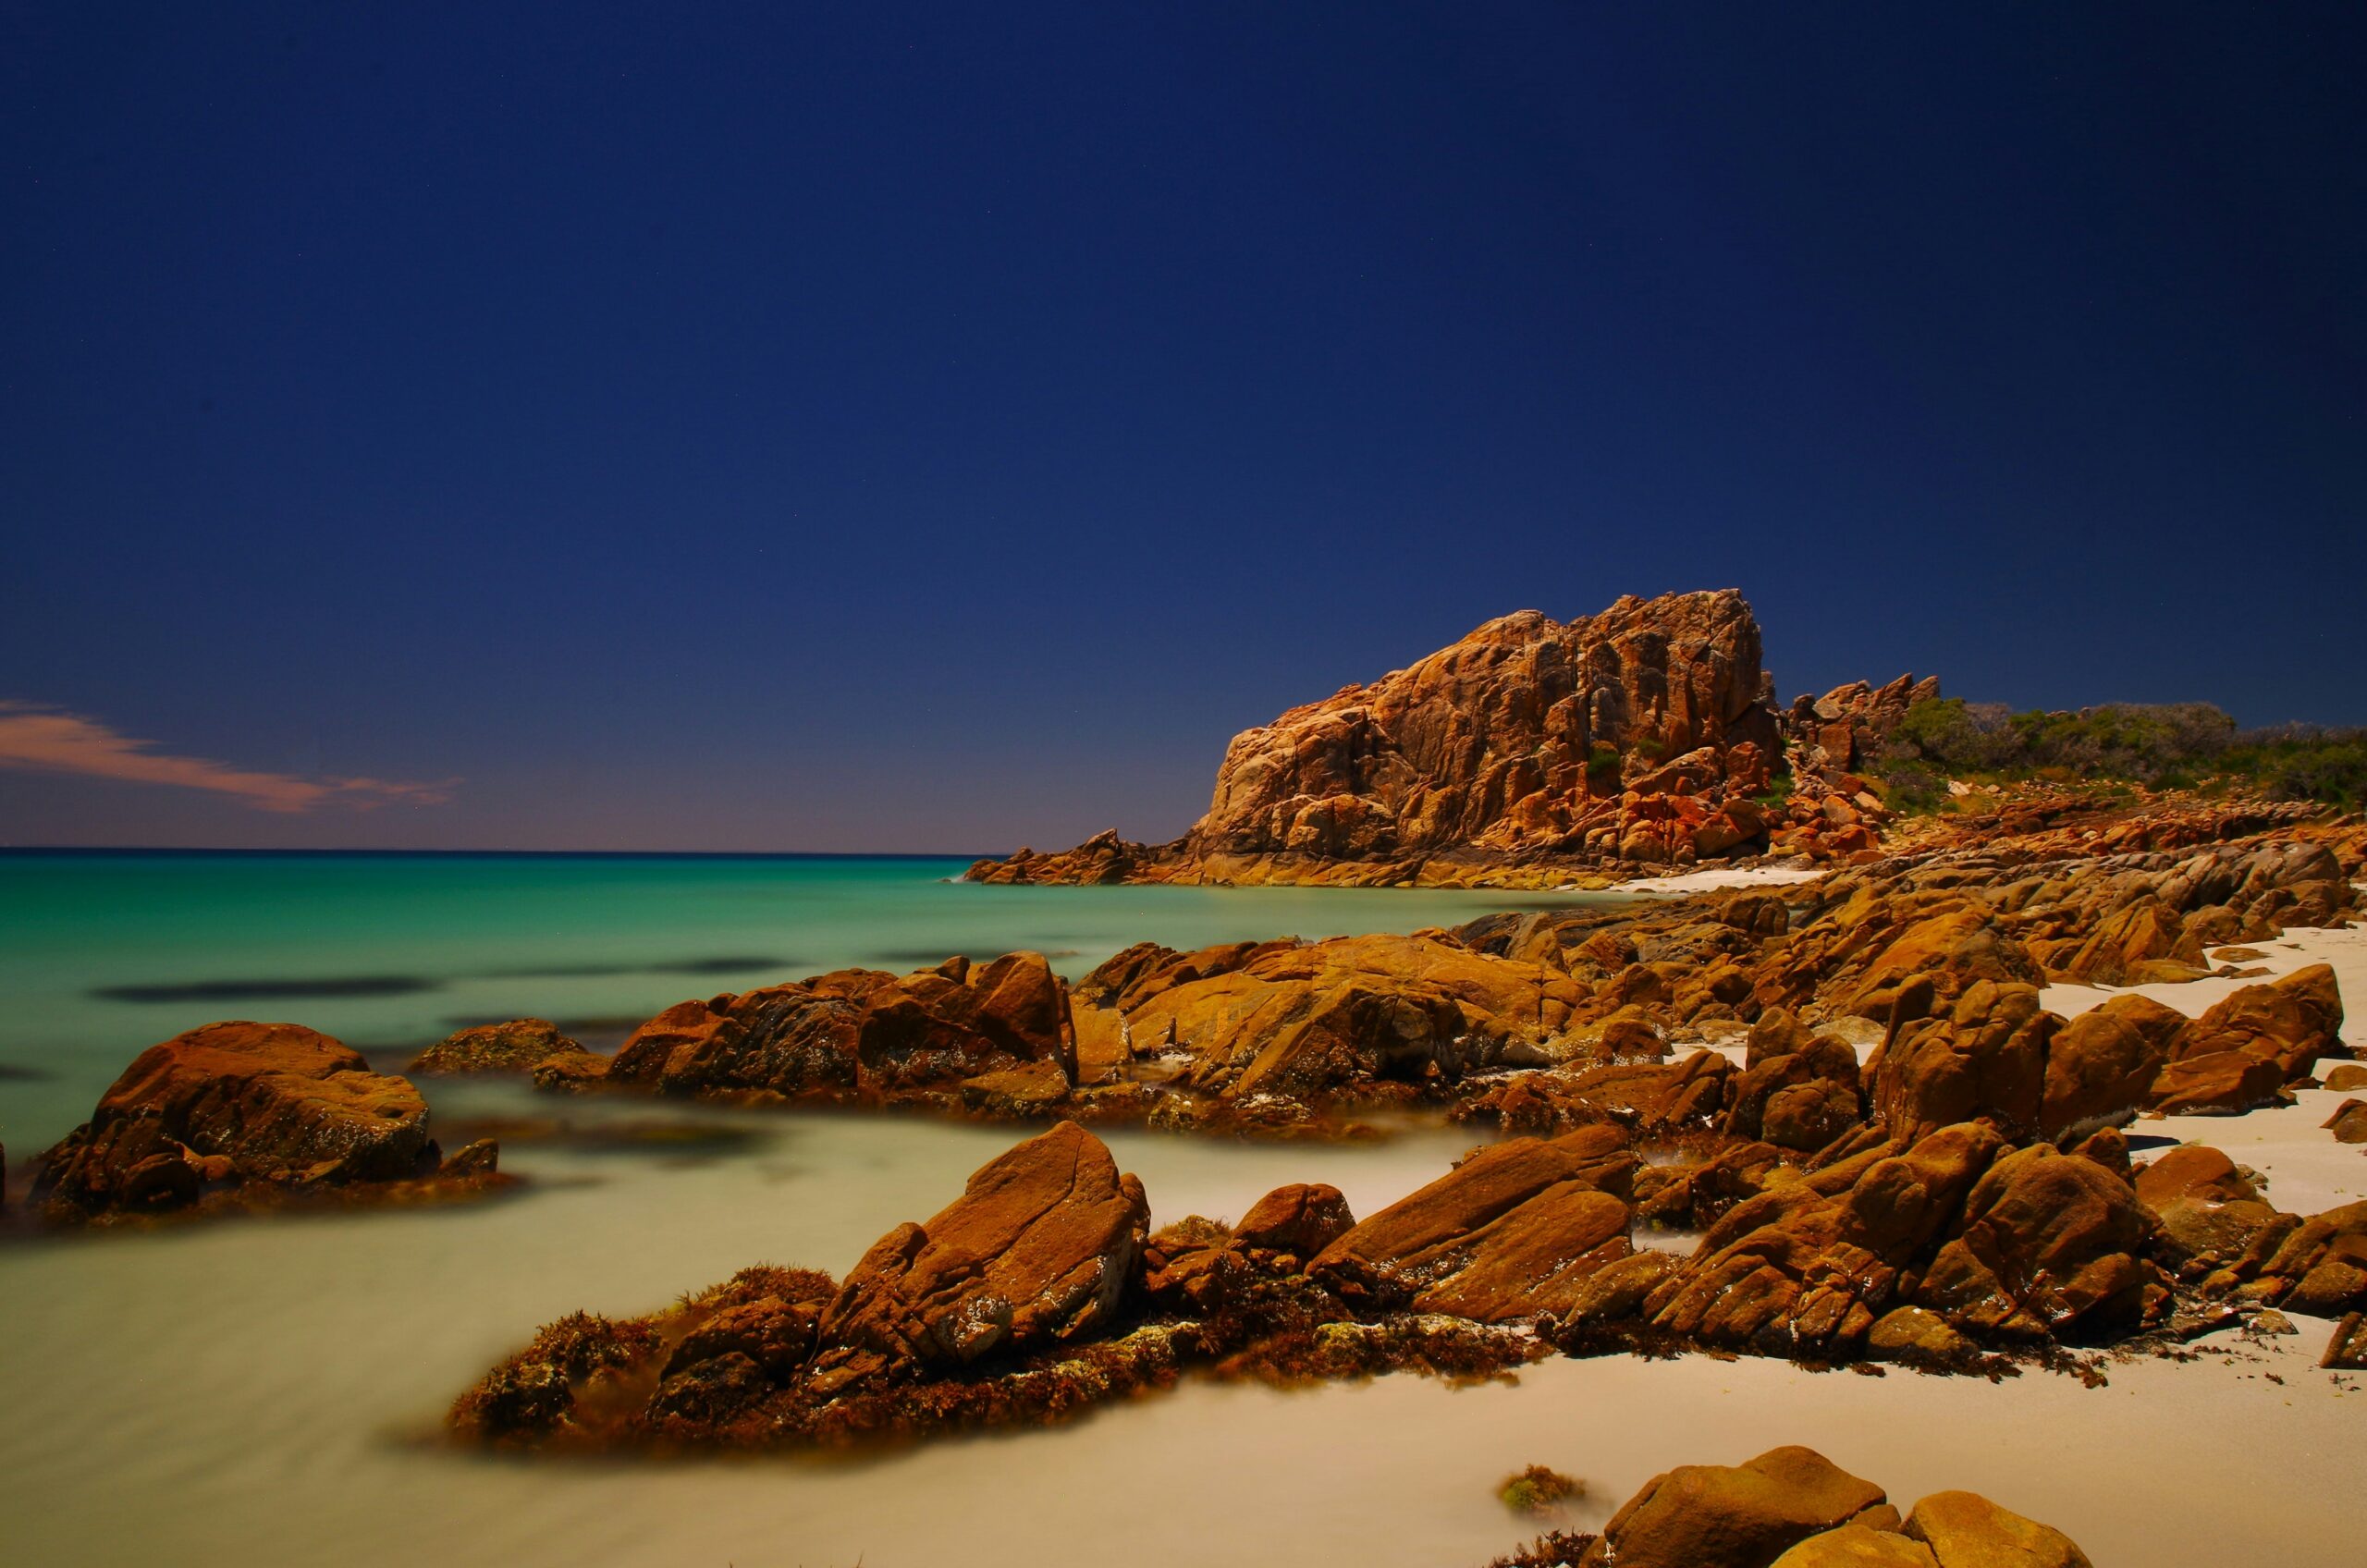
1345 1014
1966 1530
2317 1266
1509 1233
1809 1266
519 1046
1847 727
1303 1219
858 1034
1034 1294
2048 1248
2205 1213
1792 1507
231 1105
1745 1515
1039 1248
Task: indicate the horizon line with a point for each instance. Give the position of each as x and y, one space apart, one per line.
35 850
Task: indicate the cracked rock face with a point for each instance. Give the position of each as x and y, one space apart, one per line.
1040 1249
1489 740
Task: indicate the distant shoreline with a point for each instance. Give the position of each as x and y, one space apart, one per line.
61 851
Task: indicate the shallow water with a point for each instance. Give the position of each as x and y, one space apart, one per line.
103 955
266 1392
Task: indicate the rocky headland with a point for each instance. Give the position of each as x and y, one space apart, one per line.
1530 751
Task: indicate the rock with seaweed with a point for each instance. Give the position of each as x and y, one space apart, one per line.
1034 1294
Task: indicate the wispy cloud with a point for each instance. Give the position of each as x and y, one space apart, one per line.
39 738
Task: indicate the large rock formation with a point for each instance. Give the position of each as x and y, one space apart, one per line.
1638 733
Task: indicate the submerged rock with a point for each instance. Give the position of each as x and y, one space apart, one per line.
519 1046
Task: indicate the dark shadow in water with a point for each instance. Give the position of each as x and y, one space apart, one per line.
725 965
12 1073
679 1138
269 990
734 963
922 955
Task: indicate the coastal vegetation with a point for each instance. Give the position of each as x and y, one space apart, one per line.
2160 746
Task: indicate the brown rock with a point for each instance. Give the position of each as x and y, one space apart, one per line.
1508 1233
1318 1018
2291 1021
1652 1099
2318 1266
2349 1075
1034 1091
1796 1094
859 1034
1039 1248
1915 1335
1955 950
2219 1083
2191 1171
1510 741
1739 1516
1966 1530
1812 1264
1856 1546
1985 1059
2102 1065
519 1046
2347 1348
279 1102
1303 1218
2048 1247
2349 1123
2145 930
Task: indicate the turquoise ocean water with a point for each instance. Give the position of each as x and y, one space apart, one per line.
103 954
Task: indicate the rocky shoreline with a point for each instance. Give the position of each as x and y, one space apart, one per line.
1833 1120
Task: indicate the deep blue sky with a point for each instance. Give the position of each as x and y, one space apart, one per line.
862 426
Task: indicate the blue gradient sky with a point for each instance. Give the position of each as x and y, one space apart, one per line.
882 427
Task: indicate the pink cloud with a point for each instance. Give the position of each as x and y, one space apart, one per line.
37 739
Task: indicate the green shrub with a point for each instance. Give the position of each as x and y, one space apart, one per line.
2169 745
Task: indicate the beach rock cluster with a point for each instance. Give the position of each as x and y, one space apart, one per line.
1539 1022
1794 1508
242 1114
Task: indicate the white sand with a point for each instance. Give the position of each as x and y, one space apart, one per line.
1714 878
2307 1170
